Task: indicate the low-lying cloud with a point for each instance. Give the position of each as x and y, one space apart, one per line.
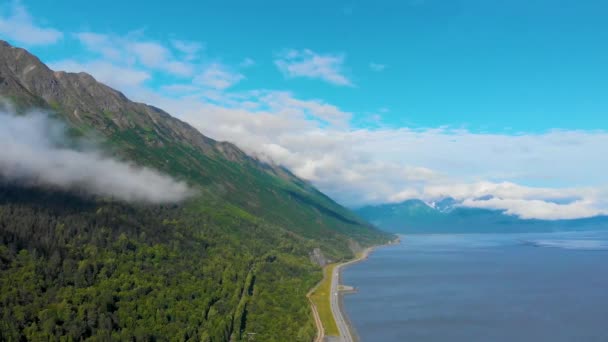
36 152
539 209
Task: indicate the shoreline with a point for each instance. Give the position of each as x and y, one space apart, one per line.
347 330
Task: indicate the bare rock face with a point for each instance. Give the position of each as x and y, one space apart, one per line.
25 80
317 257
354 246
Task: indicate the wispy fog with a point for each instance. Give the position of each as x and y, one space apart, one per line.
35 150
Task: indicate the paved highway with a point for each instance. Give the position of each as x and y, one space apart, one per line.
335 307
345 335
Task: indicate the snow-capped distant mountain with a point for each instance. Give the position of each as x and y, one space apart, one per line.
446 205
450 216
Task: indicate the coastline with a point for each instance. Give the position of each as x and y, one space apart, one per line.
347 331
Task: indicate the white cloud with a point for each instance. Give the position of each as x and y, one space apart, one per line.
247 62
101 44
217 76
525 202
150 54
17 24
105 72
306 63
530 158
377 67
318 110
188 48
181 88
130 50
33 154
129 60
506 190
539 209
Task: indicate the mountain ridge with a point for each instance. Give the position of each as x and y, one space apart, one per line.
237 258
42 83
80 99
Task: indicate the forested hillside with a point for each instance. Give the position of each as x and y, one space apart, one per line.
232 262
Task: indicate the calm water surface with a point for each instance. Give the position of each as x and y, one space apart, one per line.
467 287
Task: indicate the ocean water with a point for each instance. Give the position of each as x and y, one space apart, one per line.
483 287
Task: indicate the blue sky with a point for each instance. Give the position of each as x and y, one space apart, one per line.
419 98
487 65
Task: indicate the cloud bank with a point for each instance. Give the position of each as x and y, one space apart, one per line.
36 152
18 25
372 166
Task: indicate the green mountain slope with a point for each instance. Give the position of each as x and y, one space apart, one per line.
415 216
233 262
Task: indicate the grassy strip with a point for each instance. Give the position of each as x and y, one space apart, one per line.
321 298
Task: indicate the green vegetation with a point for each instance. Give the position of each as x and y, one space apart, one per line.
232 264
107 271
321 298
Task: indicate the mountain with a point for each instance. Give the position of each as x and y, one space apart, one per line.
445 205
234 261
446 216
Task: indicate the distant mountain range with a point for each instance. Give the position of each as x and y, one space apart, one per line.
447 216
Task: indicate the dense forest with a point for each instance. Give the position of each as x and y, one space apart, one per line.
84 268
